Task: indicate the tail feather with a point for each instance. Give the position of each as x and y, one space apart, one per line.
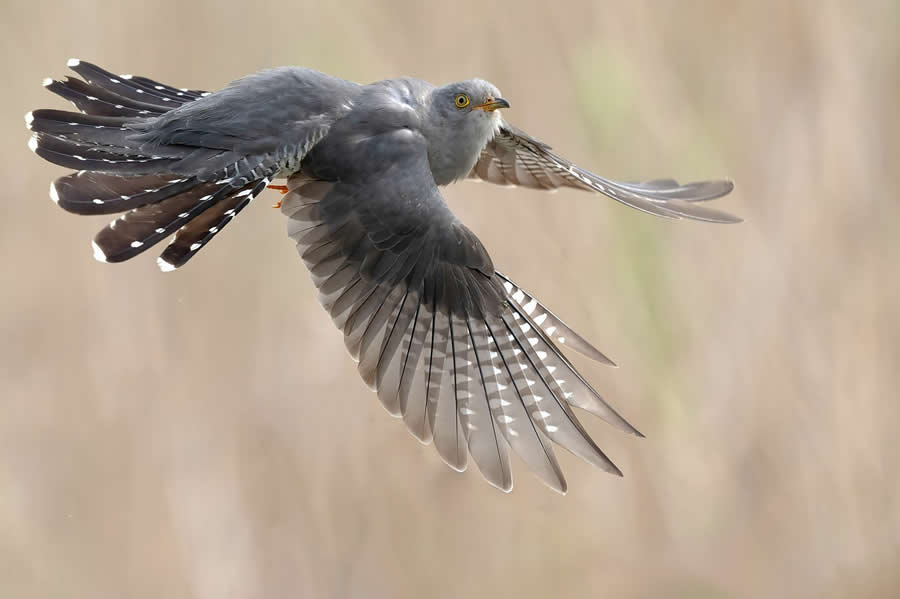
183 94
145 226
195 216
134 87
90 104
147 102
80 128
95 193
109 159
186 190
199 232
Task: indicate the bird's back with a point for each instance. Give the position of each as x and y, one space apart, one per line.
261 112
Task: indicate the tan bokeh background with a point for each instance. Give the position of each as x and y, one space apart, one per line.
204 434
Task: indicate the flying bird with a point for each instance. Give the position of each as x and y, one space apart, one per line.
468 358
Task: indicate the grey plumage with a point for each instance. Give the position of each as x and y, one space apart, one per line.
465 356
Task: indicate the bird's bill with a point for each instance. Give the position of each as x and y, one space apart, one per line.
492 104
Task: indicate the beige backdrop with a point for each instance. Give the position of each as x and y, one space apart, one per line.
204 434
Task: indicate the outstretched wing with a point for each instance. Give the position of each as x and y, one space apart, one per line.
513 157
463 355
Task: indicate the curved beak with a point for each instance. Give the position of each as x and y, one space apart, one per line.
492 104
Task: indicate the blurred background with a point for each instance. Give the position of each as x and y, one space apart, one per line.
204 434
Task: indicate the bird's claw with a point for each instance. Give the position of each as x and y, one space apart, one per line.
283 189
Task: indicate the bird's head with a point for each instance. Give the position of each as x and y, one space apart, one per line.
462 118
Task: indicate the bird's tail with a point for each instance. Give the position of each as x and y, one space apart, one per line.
115 174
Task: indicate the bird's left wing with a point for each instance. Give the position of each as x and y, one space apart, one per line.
513 157
467 358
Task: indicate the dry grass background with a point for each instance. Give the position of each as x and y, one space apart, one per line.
203 433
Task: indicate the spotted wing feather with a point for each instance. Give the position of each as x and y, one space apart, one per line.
448 344
513 157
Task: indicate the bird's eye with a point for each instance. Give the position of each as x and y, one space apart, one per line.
462 100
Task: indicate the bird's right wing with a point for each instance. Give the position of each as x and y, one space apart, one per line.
468 359
513 157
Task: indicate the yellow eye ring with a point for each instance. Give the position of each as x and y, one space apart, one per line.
461 100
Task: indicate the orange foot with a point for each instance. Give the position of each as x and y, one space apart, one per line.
283 189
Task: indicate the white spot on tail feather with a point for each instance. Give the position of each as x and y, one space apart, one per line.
29 118
53 193
99 256
73 62
32 144
47 82
164 266
195 247
137 244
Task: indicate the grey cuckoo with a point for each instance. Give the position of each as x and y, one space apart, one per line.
468 359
